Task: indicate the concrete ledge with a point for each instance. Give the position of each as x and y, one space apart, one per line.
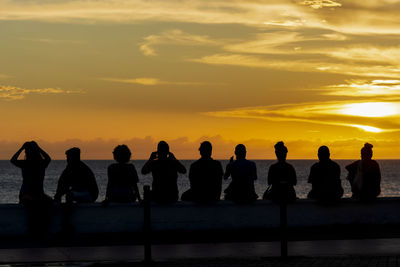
224 216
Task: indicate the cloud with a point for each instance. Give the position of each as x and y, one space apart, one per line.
317 4
149 81
369 116
16 93
363 88
53 41
176 37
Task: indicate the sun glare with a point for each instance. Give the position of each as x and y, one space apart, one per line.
371 109
367 128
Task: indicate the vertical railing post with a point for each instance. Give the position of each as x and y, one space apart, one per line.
147 224
284 195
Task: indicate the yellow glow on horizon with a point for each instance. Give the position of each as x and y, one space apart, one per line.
371 109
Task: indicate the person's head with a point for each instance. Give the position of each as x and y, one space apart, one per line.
323 153
280 151
240 151
122 154
366 151
32 151
73 155
162 149
205 149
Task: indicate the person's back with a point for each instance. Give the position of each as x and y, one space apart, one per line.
122 178
206 180
77 181
325 178
164 167
205 176
281 177
243 173
365 176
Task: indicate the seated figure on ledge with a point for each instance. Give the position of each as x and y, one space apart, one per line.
205 176
365 176
325 178
122 178
77 181
165 168
243 173
281 177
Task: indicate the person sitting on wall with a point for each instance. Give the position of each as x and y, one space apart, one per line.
365 176
165 168
281 177
243 173
205 176
325 178
122 178
77 181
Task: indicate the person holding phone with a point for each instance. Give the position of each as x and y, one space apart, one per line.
164 168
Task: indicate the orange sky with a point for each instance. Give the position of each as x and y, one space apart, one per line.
95 74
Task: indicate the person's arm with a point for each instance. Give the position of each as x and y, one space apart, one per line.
147 166
135 181
62 186
254 171
109 182
271 178
45 156
228 169
294 176
179 166
14 159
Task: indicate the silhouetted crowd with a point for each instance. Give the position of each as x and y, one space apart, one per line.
78 184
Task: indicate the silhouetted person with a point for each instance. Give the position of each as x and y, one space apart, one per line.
77 181
122 178
243 173
33 170
281 177
365 176
325 178
205 176
164 167
31 195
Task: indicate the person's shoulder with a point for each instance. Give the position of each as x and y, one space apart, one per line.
316 165
112 166
334 163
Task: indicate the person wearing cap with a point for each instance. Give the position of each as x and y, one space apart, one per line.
77 181
205 176
365 176
243 173
164 168
325 178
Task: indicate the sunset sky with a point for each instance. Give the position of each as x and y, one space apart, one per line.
97 73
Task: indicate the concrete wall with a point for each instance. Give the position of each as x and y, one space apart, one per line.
182 216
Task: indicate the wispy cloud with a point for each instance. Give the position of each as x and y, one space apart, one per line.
16 93
317 4
149 81
53 41
363 88
176 37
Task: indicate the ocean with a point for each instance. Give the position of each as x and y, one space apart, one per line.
11 179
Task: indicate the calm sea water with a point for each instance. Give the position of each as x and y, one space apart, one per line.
10 177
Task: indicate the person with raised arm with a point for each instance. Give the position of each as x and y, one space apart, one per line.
33 171
365 176
122 178
325 178
165 168
281 177
77 182
205 176
243 173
